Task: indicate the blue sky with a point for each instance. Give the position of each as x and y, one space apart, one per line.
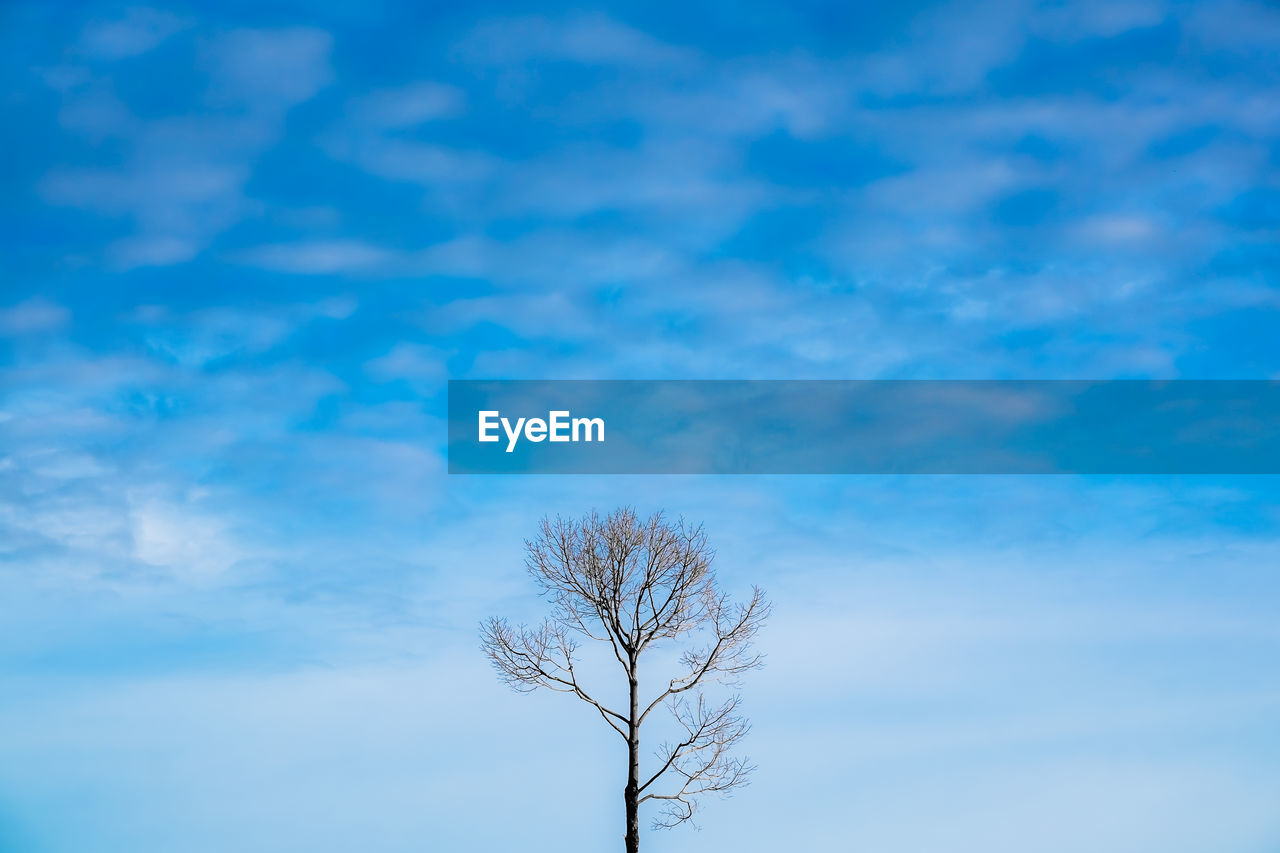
245 247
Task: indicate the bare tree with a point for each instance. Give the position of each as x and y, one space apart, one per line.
633 584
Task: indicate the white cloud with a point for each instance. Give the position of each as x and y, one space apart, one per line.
270 69
423 366
182 180
140 30
1118 229
181 539
1098 18
320 257
586 39
133 252
408 105
404 160
33 316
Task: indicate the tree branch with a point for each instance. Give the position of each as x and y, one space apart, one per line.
729 655
701 759
524 660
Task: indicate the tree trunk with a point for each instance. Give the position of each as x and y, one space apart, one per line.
632 793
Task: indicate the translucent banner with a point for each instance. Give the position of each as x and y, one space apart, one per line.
864 427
